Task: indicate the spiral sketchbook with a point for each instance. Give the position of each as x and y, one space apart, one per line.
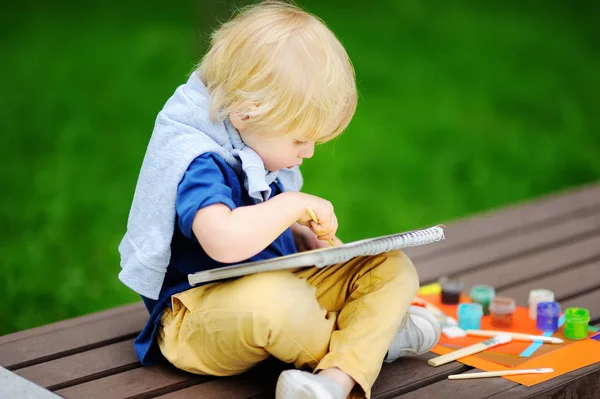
324 256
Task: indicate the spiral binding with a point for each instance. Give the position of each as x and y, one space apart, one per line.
380 245
326 257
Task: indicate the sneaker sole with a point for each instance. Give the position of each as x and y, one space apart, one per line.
431 319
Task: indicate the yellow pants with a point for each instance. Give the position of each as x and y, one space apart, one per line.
342 316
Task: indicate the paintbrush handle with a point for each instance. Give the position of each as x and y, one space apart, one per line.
314 218
457 354
468 376
515 336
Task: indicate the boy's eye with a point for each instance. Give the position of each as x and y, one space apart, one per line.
300 142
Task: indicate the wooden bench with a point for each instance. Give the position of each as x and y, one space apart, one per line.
552 242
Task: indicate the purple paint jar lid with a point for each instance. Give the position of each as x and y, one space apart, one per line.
548 309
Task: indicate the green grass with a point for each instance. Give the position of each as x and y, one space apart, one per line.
465 106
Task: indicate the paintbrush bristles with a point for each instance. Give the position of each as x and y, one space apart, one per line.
469 350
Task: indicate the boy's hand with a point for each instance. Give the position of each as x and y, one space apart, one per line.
327 224
306 240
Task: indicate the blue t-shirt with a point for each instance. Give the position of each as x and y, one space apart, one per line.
207 181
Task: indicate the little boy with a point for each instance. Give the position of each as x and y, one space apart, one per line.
220 184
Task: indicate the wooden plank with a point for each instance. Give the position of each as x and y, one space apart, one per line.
582 383
259 382
227 388
564 283
401 376
530 267
82 367
73 322
450 389
521 244
419 374
143 382
72 337
532 213
408 374
13 386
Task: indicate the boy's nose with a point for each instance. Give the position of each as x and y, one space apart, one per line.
308 151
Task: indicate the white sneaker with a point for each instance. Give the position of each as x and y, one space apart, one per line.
420 331
296 384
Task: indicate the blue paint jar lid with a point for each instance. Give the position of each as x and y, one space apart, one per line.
470 310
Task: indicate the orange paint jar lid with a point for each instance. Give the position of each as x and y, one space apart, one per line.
503 305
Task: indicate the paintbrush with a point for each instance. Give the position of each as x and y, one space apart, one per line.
468 376
314 218
515 336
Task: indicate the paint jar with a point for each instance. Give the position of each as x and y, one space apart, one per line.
548 314
576 323
469 316
451 289
537 296
502 310
483 294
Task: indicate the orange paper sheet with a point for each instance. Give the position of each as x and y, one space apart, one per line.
568 359
563 358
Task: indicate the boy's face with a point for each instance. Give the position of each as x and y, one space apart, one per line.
279 152
276 152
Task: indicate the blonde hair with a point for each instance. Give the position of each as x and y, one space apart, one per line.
287 65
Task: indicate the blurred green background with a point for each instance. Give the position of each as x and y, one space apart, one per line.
465 106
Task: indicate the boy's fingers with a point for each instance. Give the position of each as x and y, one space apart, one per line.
317 228
321 230
334 223
329 236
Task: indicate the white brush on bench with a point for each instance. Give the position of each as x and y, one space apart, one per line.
499 373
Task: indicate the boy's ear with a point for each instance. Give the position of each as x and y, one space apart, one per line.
238 117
